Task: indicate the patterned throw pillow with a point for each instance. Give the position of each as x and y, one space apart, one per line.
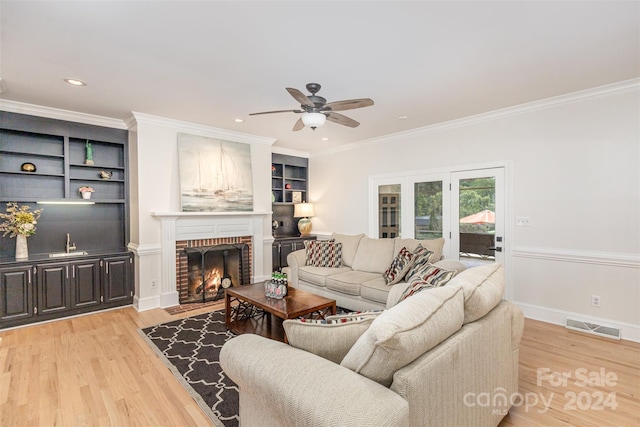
399 266
422 257
323 253
430 277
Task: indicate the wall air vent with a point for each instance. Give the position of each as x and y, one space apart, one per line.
593 328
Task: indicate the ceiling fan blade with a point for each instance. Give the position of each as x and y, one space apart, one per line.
277 111
349 104
300 97
342 120
299 125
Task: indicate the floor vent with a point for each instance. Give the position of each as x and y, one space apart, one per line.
593 328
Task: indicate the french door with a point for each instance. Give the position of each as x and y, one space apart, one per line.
467 208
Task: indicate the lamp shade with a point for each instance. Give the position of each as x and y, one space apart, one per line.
313 120
303 210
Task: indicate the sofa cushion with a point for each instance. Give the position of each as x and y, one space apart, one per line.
376 290
349 281
483 289
374 255
404 332
331 339
322 253
318 275
434 245
350 244
430 277
399 266
451 264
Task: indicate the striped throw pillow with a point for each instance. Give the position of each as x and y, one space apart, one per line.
429 277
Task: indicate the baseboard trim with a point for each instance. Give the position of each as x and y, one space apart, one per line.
628 331
143 304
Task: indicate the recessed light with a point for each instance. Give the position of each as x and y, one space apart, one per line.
75 82
238 120
402 117
325 139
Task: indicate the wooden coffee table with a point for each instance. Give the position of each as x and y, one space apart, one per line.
248 310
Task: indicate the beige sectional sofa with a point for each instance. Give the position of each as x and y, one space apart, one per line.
446 356
359 284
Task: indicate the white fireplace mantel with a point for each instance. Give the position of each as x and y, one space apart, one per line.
206 225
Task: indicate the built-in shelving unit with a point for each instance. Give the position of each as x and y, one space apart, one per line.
44 161
289 174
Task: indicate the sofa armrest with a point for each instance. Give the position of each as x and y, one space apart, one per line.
295 260
283 385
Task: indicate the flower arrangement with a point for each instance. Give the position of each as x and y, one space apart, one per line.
86 189
19 220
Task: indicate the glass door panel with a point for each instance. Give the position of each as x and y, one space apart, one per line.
428 210
389 211
477 203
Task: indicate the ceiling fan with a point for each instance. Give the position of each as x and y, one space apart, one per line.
316 109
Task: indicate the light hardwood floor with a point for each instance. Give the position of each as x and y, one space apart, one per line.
96 370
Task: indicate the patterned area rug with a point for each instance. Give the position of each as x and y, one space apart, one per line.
190 348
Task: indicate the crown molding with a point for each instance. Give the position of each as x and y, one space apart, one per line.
137 118
59 114
623 86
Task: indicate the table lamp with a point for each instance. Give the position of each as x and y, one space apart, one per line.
303 211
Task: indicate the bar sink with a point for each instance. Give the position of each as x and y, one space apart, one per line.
66 254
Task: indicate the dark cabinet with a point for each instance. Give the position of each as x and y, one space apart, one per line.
48 290
85 283
16 294
117 279
284 246
66 286
53 294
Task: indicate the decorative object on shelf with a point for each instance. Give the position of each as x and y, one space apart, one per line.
86 192
20 222
287 186
303 211
273 169
28 167
89 158
106 174
273 197
296 197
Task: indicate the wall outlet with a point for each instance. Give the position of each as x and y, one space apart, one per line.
154 284
595 300
523 221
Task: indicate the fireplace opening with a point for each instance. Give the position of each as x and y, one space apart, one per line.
212 269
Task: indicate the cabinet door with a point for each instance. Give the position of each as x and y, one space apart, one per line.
52 291
275 256
117 278
285 250
85 283
15 293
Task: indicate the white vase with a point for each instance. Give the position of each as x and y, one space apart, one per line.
86 195
22 251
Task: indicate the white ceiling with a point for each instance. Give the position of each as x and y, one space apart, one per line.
210 62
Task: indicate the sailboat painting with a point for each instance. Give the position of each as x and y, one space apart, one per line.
215 175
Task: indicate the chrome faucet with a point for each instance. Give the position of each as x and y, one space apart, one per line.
70 246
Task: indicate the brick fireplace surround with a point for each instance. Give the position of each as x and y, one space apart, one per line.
219 227
182 265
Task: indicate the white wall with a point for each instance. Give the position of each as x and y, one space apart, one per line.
575 164
155 188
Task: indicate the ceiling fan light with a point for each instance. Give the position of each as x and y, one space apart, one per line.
313 120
